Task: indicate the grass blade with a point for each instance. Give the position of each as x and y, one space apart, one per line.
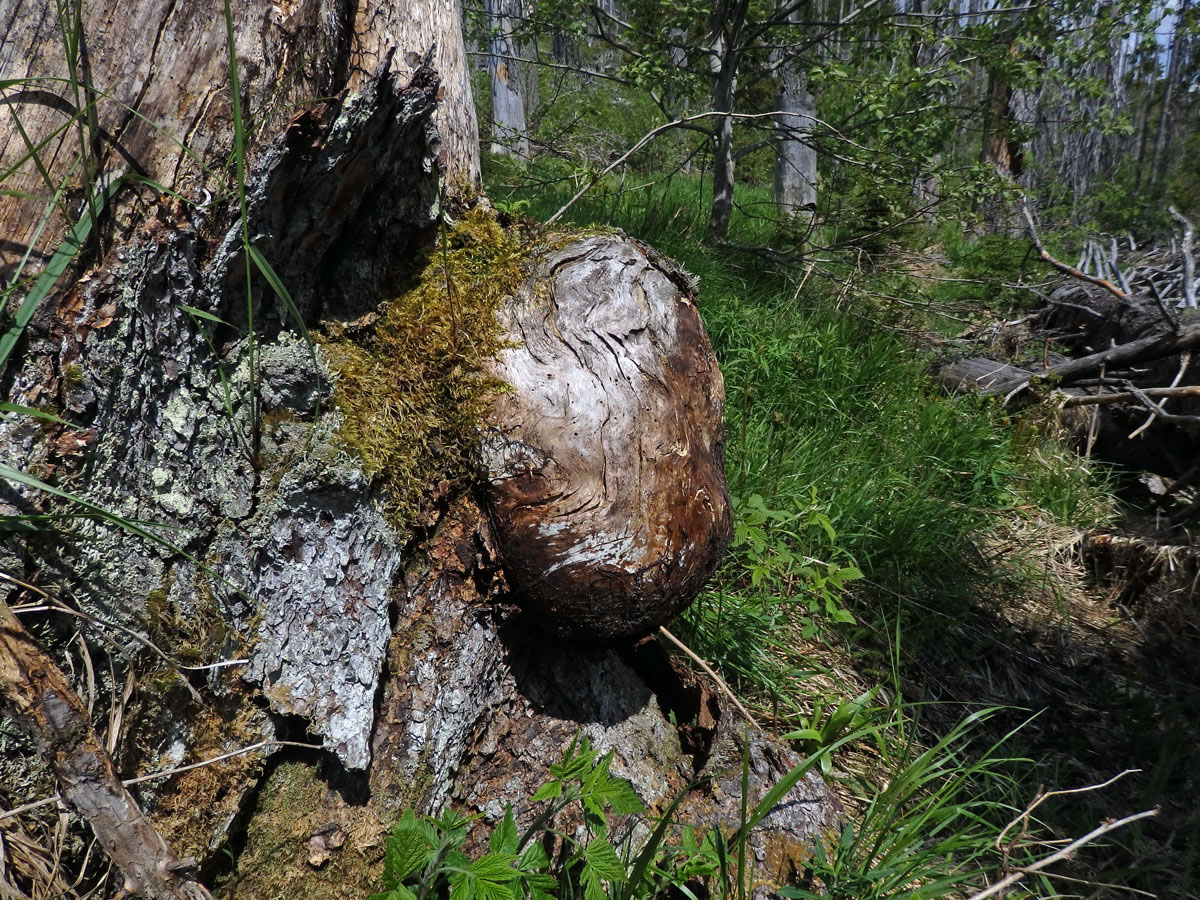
62 258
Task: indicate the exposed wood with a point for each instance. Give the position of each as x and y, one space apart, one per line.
42 702
605 464
409 29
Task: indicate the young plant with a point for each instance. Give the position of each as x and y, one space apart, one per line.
424 856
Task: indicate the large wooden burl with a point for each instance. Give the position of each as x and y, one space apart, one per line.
604 464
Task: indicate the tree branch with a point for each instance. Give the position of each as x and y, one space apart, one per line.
44 705
1063 267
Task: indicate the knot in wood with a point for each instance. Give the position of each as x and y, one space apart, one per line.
604 462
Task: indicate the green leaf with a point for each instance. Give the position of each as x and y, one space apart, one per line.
408 849
804 734
534 858
462 887
620 796
495 867
506 837
548 791
603 860
491 890
593 885
36 413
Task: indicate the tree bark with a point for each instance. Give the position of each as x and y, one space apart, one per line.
724 59
795 158
509 135
199 414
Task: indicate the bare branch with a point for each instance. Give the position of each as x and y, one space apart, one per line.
1127 396
1063 267
1004 883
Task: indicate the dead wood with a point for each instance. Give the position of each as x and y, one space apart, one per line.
1154 346
1189 260
1128 396
1063 267
604 461
43 703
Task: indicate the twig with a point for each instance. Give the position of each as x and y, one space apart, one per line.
1043 797
1154 346
1006 882
1063 267
165 773
711 674
1156 411
58 606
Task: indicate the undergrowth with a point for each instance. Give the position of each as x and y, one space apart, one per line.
865 500
852 461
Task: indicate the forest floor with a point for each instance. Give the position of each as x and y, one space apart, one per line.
992 616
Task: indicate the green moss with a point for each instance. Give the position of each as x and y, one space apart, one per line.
413 392
294 804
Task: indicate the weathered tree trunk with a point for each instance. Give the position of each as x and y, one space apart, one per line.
285 599
509 135
795 158
723 162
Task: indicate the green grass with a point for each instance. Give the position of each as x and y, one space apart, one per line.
838 434
824 405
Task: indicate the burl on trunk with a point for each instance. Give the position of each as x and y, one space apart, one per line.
606 480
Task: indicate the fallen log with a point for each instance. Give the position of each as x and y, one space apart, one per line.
1151 347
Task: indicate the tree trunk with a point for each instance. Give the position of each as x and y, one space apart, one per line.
241 576
724 58
795 158
509 135
1000 150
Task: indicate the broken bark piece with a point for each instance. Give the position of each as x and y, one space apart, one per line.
43 704
604 463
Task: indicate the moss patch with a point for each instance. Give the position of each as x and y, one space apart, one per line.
296 812
412 393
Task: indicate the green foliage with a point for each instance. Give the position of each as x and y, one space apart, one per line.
425 856
929 833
